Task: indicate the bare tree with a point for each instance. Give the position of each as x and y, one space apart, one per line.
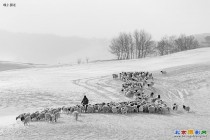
161 46
166 45
172 48
184 42
143 43
122 46
126 46
131 46
115 48
136 36
125 40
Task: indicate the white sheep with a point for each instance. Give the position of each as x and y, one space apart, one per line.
163 72
187 108
48 117
27 120
124 110
151 109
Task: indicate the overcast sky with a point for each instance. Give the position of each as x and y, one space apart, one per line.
106 18
21 27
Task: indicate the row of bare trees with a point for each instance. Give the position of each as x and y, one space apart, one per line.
129 46
140 44
172 44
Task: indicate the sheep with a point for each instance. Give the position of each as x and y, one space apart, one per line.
41 116
151 84
114 76
152 94
187 108
82 108
124 110
130 109
105 109
34 115
145 108
79 109
151 109
90 109
100 106
150 76
165 110
141 108
21 117
54 111
136 108
129 94
53 118
56 115
154 100
71 110
158 109
48 117
96 108
27 120
163 72
114 109
65 110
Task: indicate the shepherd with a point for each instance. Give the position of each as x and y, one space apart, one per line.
85 102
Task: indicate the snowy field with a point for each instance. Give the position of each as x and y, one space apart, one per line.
32 89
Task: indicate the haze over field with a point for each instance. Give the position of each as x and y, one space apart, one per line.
51 49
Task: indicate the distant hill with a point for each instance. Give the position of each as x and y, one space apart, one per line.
6 65
203 39
50 49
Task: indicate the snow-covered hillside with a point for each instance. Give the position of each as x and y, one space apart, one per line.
187 82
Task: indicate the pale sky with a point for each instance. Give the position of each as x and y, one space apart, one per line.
61 31
106 18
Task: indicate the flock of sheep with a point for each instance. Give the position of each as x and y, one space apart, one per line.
52 114
134 85
47 114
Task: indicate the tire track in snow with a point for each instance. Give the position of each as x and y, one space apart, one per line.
79 83
96 85
101 88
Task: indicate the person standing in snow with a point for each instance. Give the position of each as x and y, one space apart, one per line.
85 102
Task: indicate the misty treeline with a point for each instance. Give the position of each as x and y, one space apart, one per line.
140 44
